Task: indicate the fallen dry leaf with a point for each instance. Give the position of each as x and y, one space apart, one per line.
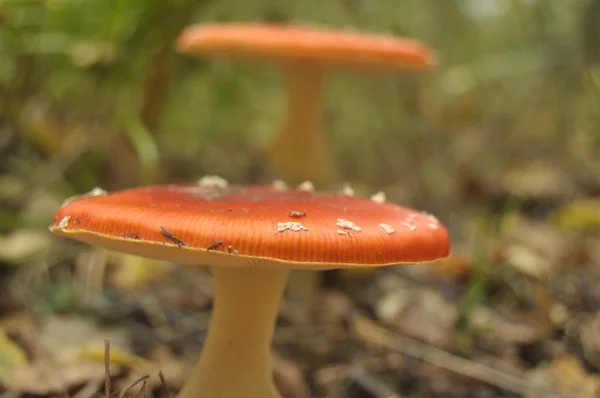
457 266
56 365
527 261
64 337
119 357
11 355
542 182
590 339
430 317
169 364
391 306
565 377
492 326
580 215
335 308
133 272
23 244
289 378
19 324
49 377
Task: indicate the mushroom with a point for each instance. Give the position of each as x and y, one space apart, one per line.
299 151
251 237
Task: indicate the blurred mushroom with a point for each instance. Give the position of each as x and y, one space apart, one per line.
250 239
305 54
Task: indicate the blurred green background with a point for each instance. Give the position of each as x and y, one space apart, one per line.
503 138
93 93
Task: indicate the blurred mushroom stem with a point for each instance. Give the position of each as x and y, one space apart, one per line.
299 152
236 358
303 292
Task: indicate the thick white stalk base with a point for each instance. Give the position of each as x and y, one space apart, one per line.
236 359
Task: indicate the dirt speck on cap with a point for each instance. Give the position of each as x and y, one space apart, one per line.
215 245
172 237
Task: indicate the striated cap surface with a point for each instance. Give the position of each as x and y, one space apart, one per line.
249 226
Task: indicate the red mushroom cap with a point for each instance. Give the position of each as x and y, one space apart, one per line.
328 48
248 226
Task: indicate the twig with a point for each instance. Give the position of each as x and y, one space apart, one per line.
163 383
370 332
135 383
142 392
215 245
370 384
107 381
173 238
342 373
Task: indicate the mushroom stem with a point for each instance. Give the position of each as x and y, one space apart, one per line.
299 151
236 359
